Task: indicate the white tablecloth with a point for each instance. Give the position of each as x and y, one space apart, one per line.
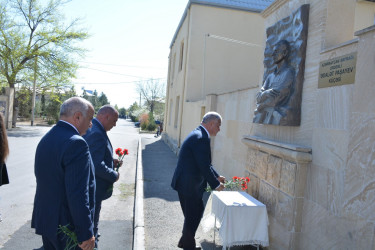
243 220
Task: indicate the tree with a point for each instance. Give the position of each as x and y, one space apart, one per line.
32 37
152 91
24 95
133 112
122 112
103 100
96 101
52 110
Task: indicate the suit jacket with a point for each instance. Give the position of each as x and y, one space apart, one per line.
102 155
194 169
65 191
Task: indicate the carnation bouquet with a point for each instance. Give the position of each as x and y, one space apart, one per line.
120 153
236 184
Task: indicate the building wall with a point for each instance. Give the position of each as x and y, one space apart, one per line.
176 85
212 65
337 124
217 65
364 15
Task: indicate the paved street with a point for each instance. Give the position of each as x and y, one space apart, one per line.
16 199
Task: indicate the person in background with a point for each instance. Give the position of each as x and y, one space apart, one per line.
194 170
102 155
4 152
65 180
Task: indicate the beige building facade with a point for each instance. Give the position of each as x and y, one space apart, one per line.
317 179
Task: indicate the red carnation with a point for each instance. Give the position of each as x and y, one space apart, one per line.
121 153
118 151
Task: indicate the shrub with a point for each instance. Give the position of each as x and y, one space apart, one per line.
151 126
144 121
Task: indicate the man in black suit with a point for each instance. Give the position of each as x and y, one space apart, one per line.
194 170
102 155
65 190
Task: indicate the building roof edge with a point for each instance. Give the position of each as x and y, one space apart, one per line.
202 2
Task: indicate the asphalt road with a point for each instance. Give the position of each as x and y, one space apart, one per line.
16 199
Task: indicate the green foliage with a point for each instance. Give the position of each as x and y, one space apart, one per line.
144 125
53 104
143 119
23 101
122 112
133 112
151 126
96 101
53 109
147 122
153 92
151 122
36 42
71 237
103 100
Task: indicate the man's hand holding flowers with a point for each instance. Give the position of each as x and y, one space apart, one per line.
221 179
118 162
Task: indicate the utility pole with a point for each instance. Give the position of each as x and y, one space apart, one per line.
34 93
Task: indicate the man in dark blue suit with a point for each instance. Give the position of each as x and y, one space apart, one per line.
194 170
65 191
102 155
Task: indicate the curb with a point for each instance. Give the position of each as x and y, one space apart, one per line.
139 227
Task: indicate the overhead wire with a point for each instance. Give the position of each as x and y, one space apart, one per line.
122 65
110 83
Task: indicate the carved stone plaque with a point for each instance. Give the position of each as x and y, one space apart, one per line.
279 100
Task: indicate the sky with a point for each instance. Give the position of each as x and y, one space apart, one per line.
129 43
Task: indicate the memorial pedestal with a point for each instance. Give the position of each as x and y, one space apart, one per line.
278 179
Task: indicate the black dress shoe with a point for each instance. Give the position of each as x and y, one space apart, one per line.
181 246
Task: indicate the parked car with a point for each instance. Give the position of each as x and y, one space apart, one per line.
137 124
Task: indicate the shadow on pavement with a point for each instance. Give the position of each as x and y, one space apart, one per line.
24 238
27 131
111 232
159 163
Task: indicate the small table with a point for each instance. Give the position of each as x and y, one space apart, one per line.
243 219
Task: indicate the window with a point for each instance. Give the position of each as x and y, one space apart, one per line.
170 112
181 56
173 65
203 112
176 111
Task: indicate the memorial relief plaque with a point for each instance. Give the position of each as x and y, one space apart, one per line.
279 99
337 71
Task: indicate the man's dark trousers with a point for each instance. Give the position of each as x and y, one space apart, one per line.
192 208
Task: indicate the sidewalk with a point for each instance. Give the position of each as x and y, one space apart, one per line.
163 218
